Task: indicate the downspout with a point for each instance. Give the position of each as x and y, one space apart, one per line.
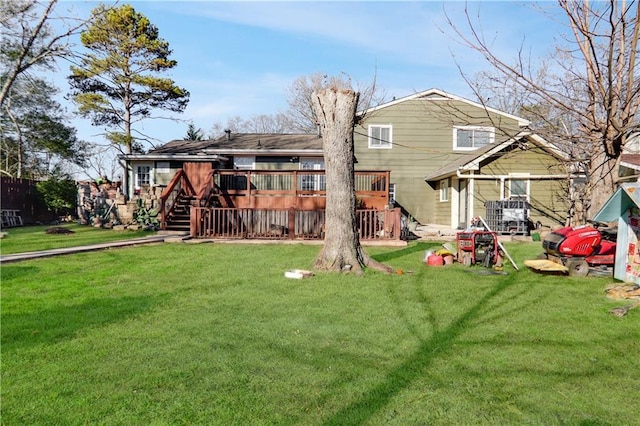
125 177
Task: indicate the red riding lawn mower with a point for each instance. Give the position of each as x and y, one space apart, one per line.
578 250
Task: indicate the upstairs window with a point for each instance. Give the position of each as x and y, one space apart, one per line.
467 138
380 136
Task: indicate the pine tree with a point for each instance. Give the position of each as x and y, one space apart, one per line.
116 83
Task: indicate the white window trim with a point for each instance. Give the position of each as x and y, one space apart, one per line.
136 184
489 129
393 191
317 182
444 189
524 177
388 144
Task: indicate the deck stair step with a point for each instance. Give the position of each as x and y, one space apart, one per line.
179 218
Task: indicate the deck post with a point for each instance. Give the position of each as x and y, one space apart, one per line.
292 222
195 213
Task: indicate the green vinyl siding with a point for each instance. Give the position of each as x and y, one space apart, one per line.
422 143
548 203
546 196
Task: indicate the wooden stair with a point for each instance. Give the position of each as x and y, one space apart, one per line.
178 219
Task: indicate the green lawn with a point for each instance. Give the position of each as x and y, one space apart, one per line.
214 334
34 238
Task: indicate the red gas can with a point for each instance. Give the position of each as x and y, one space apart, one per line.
435 260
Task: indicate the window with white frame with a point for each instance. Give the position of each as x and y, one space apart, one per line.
312 181
467 138
143 175
392 193
444 190
244 163
519 189
380 136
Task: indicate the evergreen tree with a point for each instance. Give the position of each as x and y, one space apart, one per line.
116 83
194 134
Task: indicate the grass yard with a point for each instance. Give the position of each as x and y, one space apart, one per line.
34 238
214 334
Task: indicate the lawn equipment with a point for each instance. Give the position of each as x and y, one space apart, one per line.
478 247
578 250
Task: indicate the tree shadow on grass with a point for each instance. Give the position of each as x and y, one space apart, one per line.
48 326
413 248
417 363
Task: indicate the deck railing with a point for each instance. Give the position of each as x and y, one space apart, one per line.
282 189
287 223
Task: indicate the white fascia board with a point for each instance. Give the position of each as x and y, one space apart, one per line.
175 157
294 152
545 144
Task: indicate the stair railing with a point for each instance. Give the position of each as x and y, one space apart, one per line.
178 185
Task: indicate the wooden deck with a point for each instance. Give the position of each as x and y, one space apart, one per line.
275 204
283 224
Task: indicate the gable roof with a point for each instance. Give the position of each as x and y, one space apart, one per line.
439 95
472 161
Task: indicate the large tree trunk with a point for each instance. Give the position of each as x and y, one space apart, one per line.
336 109
603 172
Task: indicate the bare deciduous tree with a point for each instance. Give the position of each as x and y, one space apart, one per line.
335 106
588 96
28 40
300 98
262 123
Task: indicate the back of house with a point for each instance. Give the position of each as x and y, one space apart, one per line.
434 144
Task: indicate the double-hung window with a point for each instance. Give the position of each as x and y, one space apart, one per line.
467 138
380 136
312 181
519 189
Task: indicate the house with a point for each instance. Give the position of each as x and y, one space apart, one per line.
449 160
630 158
449 156
242 151
243 185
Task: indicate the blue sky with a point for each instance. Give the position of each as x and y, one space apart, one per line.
239 58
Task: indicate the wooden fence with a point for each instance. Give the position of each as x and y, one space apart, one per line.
287 223
20 197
